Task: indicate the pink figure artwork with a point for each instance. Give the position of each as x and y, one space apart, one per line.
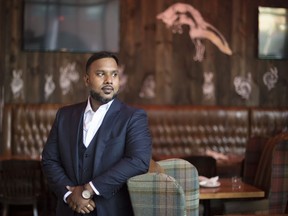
180 14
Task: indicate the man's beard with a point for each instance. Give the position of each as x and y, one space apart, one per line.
96 96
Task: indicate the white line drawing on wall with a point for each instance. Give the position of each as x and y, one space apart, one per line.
148 87
243 86
68 75
49 85
17 84
208 86
270 78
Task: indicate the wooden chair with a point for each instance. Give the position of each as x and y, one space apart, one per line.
20 184
271 176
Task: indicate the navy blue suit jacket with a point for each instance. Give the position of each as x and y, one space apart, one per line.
123 150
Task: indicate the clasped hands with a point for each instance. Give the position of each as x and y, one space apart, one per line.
77 203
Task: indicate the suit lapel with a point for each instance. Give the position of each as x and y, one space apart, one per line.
76 136
105 131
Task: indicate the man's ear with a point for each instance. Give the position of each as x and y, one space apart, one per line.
86 79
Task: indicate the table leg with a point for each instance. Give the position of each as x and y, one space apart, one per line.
206 205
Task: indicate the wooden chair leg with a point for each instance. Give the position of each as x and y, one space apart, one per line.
35 211
5 210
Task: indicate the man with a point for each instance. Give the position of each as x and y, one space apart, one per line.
94 147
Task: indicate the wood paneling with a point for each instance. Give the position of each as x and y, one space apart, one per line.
148 47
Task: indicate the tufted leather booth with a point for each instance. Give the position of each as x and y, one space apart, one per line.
267 122
176 130
188 130
26 128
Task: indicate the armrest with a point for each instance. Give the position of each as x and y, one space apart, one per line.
156 194
184 172
186 175
164 191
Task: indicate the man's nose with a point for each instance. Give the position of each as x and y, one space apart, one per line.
108 79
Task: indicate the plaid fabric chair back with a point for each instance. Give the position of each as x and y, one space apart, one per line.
272 172
175 192
254 148
156 194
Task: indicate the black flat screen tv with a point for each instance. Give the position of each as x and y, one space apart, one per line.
83 26
272 33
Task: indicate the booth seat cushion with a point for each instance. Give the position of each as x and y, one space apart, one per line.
26 128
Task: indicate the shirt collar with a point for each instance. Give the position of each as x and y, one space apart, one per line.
104 106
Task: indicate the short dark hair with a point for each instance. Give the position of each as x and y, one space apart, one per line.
100 55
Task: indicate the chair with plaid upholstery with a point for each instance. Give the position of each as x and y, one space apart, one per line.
271 176
175 192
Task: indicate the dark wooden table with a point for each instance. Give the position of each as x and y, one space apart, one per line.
227 191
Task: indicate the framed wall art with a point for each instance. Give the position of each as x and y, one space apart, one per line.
272 33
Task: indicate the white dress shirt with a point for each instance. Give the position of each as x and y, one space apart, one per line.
92 121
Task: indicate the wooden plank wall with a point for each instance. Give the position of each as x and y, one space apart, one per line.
147 47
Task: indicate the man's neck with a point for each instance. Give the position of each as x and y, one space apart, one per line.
94 104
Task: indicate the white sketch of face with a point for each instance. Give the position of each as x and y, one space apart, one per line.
243 86
68 75
208 86
17 84
148 87
49 85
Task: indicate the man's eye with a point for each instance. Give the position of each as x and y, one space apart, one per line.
115 74
99 74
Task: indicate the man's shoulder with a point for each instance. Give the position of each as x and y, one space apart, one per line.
127 107
130 110
73 107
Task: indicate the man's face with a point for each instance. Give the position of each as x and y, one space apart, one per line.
102 80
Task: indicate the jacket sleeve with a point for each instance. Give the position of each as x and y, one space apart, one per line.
51 163
136 158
